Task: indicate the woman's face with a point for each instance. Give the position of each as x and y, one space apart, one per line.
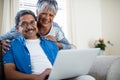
45 17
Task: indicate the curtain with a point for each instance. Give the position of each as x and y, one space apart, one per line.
70 29
10 7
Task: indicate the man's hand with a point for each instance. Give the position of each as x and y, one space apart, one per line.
44 75
5 45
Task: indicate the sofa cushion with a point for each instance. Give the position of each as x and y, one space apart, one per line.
100 67
114 71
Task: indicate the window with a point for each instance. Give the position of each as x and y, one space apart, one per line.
31 5
28 4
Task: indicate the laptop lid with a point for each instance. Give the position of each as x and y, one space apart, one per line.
72 63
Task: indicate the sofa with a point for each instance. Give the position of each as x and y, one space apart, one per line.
103 68
1 66
106 67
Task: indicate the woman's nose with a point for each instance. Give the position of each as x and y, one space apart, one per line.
47 16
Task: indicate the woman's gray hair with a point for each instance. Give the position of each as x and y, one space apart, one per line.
48 4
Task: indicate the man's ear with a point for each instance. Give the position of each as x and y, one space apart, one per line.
17 27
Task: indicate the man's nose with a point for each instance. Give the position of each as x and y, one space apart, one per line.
29 26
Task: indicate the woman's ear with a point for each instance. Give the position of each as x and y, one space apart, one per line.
37 12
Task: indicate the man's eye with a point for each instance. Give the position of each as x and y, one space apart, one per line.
24 24
32 22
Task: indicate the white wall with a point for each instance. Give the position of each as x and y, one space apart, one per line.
84 21
90 19
111 24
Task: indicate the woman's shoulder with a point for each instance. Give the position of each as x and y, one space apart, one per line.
55 25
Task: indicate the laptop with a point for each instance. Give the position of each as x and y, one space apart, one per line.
73 63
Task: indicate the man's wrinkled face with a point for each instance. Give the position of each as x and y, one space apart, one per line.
27 26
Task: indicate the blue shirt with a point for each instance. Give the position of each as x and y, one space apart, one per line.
20 56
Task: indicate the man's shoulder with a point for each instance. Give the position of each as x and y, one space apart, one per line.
19 39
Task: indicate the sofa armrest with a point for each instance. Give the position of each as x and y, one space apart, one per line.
114 71
100 67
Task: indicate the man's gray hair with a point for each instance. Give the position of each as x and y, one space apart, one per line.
21 13
48 4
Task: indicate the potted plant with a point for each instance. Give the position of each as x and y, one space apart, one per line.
100 44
